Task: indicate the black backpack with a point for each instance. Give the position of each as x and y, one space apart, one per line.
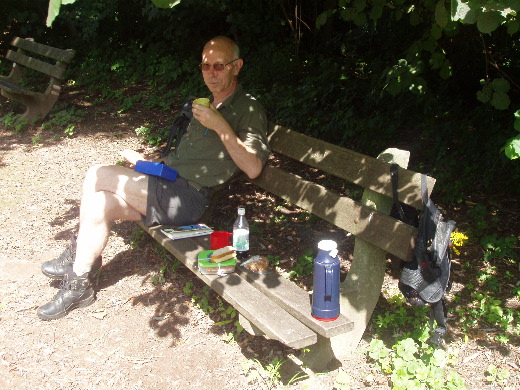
179 128
426 278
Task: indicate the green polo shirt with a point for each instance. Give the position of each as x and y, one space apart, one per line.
201 156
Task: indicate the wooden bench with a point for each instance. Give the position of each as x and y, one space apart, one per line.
44 59
274 306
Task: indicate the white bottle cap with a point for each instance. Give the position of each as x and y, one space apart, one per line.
328 246
241 211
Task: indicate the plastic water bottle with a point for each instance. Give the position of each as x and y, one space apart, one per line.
325 296
241 235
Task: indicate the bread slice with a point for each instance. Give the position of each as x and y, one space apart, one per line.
222 254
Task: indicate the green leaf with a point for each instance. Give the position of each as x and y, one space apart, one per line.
406 349
360 5
166 3
441 15
436 32
439 358
437 60
360 19
512 148
463 12
376 13
322 19
445 71
501 85
415 18
484 95
347 14
513 26
500 100
488 22
54 9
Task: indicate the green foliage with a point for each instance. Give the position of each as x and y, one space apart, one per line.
54 9
64 120
488 15
488 311
11 121
152 137
413 365
499 247
363 74
212 304
166 3
497 375
269 373
342 380
495 92
137 237
481 304
512 146
304 266
169 267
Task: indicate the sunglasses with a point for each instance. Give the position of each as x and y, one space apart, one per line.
217 67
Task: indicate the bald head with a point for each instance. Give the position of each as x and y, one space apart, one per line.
223 44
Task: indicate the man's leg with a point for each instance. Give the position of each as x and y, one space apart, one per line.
109 193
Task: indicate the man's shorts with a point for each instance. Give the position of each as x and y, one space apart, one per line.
174 202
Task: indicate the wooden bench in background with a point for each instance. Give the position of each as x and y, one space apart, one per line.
44 59
274 306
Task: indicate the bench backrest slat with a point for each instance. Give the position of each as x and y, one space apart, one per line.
44 50
56 71
347 214
365 171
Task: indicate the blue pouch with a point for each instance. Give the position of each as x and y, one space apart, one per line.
156 169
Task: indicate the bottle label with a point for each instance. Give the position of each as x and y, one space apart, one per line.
241 240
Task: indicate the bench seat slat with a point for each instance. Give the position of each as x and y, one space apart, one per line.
15 88
362 221
44 50
56 71
270 318
365 171
294 300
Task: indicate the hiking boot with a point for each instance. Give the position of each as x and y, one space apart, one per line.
57 268
75 291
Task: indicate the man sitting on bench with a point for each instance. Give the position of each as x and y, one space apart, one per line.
229 135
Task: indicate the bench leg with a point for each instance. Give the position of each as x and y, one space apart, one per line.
36 105
321 356
360 290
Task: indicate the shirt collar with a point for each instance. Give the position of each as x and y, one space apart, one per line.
233 97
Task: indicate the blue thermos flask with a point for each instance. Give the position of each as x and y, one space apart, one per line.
325 296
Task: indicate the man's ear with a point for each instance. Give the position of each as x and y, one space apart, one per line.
238 65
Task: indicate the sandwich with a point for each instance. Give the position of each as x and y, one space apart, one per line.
222 254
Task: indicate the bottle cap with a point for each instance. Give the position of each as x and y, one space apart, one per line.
329 246
241 211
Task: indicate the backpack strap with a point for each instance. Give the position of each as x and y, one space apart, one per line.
424 189
178 128
438 313
394 175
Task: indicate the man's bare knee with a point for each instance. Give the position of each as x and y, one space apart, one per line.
101 177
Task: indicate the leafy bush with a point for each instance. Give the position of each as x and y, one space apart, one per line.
413 365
